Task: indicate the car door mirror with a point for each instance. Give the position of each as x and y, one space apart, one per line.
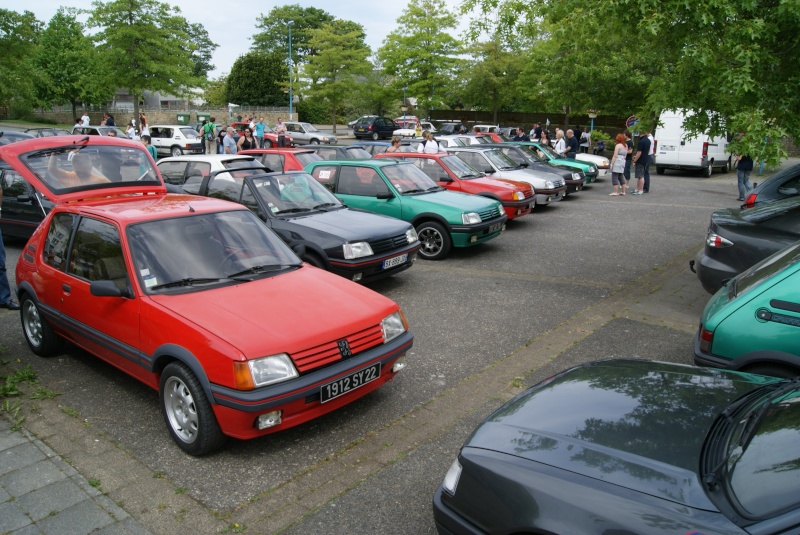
489 171
25 198
299 249
107 288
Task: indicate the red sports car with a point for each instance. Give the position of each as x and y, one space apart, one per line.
193 296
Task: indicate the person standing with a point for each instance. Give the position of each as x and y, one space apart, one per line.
144 130
572 145
395 146
5 290
537 131
651 158
151 149
85 118
228 143
109 119
560 146
628 157
428 145
744 165
640 162
618 166
210 136
280 130
521 135
586 139
222 131
246 141
260 126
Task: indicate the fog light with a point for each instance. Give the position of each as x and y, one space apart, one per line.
270 419
473 239
548 199
504 228
412 258
357 277
399 364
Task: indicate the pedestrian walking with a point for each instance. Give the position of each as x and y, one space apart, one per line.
744 165
210 136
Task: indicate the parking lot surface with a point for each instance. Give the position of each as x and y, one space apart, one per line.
587 278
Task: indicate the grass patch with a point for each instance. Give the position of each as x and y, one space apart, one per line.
69 411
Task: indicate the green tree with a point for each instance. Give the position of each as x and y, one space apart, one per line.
215 92
18 41
421 54
492 73
64 43
145 46
376 93
734 61
341 57
257 79
274 36
200 46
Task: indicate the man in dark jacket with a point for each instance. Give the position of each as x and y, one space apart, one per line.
572 145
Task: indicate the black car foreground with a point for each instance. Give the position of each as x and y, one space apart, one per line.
783 184
632 447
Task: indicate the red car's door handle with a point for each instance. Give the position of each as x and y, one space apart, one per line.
66 287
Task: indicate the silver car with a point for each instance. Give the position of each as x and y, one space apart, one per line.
307 134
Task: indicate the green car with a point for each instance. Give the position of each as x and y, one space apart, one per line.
443 219
752 323
545 153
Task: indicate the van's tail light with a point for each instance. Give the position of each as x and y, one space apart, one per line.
706 337
705 148
717 241
655 145
750 201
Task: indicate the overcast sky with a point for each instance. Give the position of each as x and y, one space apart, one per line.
231 27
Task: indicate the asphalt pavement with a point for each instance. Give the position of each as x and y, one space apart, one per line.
587 278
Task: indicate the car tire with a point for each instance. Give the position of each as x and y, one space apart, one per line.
314 142
375 136
176 151
435 240
186 410
708 170
727 166
267 143
40 337
773 370
660 170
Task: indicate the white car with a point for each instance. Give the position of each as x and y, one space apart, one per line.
412 132
184 174
307 134
175 139
602 163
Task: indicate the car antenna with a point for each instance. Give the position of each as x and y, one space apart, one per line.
191 209
84 140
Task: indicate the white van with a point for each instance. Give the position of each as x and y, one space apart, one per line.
674 149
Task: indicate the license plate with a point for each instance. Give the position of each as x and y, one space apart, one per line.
667 147
396 261
495 227
362 129
348 383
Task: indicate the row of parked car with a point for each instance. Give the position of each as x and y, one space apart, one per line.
582 452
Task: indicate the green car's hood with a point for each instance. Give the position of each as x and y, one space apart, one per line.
460 202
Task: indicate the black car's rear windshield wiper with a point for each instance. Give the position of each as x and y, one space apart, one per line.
261 269
189 281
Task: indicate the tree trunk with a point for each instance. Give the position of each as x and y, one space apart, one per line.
74 111
333 113
566 119
135 109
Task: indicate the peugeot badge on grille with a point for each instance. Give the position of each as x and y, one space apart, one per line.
344 349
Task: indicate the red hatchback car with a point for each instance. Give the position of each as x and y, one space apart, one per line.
452 173
282 160
193 296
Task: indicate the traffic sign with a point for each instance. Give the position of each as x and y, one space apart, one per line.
632 120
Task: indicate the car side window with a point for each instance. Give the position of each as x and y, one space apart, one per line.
58 236
790 187
362 181
475 160
249 200
225 187
326 175
166 132
96 253
273 162
13 184
327 153
155 132
195 169
173 172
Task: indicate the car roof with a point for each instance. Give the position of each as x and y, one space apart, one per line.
160 125
382 162
206 158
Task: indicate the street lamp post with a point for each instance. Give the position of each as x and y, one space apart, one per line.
404 107
289 24
592 115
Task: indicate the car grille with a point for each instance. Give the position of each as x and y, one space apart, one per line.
528 193
328 353
491 213
389 244
558 183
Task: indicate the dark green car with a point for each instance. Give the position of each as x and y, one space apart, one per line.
443 219
545 153
753 322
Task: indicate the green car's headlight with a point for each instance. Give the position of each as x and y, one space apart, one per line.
470 218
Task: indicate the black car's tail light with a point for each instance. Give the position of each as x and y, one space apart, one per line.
715 240
750 201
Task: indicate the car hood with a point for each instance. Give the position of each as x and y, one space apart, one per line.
455 200
259 318
496 183
537 178
636 424
351 225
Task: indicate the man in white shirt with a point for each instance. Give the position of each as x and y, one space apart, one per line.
85 118
428 145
